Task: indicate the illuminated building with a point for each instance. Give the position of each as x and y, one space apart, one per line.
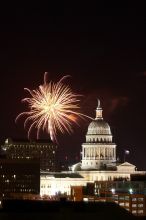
19 176
59 183
129 198
134 203
99 151
45 151
99 154
98 162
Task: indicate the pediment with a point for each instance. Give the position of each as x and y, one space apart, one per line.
126 164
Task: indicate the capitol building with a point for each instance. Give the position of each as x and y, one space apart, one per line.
99 151
98 162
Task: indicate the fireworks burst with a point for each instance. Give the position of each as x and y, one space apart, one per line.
52 107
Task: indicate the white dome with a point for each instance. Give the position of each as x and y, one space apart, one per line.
98 127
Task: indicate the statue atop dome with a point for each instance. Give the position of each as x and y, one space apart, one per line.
98 111
98 103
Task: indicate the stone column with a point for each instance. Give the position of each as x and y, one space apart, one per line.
104 153
99 153
91 153
111 153
108 153
115 153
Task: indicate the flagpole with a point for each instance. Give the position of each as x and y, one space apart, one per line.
126 152
124 156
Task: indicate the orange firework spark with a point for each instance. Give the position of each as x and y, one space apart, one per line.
52 107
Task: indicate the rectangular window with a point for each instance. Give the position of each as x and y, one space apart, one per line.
115 197
121 197
121 203
126 197
140 205
140 211
140 199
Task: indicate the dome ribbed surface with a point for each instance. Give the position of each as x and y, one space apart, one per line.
98 127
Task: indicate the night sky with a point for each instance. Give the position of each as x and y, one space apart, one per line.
101 47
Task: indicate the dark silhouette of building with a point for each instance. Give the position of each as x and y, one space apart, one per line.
19 176
63 210
44 150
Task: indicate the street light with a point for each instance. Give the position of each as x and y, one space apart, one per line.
130 190
126 152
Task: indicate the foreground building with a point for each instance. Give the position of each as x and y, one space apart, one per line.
134 202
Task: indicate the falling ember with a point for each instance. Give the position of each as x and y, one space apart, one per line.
52 107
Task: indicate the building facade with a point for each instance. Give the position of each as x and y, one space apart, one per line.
53 184
19 176
45 151
132 202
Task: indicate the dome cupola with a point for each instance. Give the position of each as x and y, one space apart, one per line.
98 129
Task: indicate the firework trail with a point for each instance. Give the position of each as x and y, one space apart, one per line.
52 107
